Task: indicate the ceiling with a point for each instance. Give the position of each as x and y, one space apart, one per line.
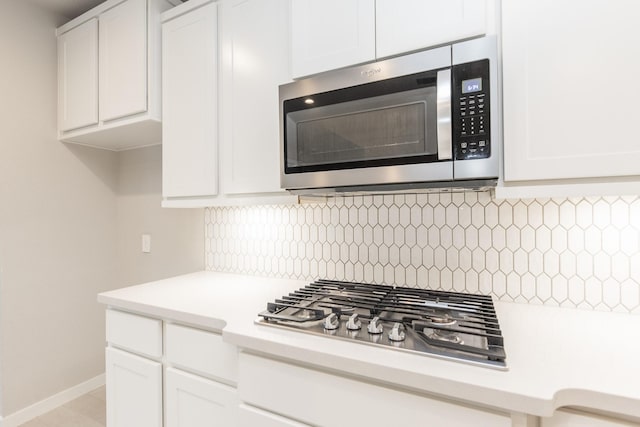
67 8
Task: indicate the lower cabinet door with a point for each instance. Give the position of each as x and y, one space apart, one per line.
134 390
248 416
193 401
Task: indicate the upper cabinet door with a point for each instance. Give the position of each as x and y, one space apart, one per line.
255 60
189 114
570 90
329 34
123 60
407 25
78 76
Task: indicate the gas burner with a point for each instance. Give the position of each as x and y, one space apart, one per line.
442 319
445 335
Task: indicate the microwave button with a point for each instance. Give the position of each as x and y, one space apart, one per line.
482 143
472 101
463 145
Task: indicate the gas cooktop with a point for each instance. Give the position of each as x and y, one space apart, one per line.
451 325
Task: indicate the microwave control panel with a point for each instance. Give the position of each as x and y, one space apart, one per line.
470 110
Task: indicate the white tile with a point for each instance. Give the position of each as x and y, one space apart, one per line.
520 261
593 292
492 260
405 215
629 241
559 289
498 238
506 260
465 259
611 293
602 266
505 215
534 215
536 262
543 288
451 215
630 294
551 214
593 240
576 290
520 214
567 215
551 260
601 214
584 214
528 286
528 238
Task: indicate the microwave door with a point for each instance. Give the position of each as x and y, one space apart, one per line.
371 134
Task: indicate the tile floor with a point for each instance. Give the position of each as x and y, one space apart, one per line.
86 411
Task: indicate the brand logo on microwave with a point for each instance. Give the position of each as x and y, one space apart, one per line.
370 72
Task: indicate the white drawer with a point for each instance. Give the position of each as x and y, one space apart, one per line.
201 352
306 394
248 416
134 333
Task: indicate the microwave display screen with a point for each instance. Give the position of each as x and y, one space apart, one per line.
472 85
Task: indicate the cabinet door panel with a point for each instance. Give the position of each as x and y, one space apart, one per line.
569 95
189 116
406 25
78 76
254 39
123 60
193 401
134 390
331 34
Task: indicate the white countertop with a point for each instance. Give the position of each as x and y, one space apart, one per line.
556 356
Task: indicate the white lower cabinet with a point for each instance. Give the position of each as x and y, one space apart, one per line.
134 390
193 401
324 399
200 374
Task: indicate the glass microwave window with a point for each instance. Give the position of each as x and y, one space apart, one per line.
390 132
472 85
395 126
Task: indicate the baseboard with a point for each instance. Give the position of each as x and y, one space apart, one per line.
50 403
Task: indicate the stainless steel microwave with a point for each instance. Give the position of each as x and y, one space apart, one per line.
422 121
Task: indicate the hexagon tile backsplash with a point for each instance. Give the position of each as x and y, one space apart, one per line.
581 253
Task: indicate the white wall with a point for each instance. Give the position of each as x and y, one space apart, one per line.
70 224
177 235
57 222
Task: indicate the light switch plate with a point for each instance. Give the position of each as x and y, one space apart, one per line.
146 243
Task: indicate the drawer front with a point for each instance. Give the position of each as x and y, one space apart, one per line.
134 333
248 416
192 401
201 352
305 394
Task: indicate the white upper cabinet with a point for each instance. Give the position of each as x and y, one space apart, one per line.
329 34
254 38
189 116
78 71
221 139
109 75
570 90
406 25
123 60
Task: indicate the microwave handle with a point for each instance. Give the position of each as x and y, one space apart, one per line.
443 108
